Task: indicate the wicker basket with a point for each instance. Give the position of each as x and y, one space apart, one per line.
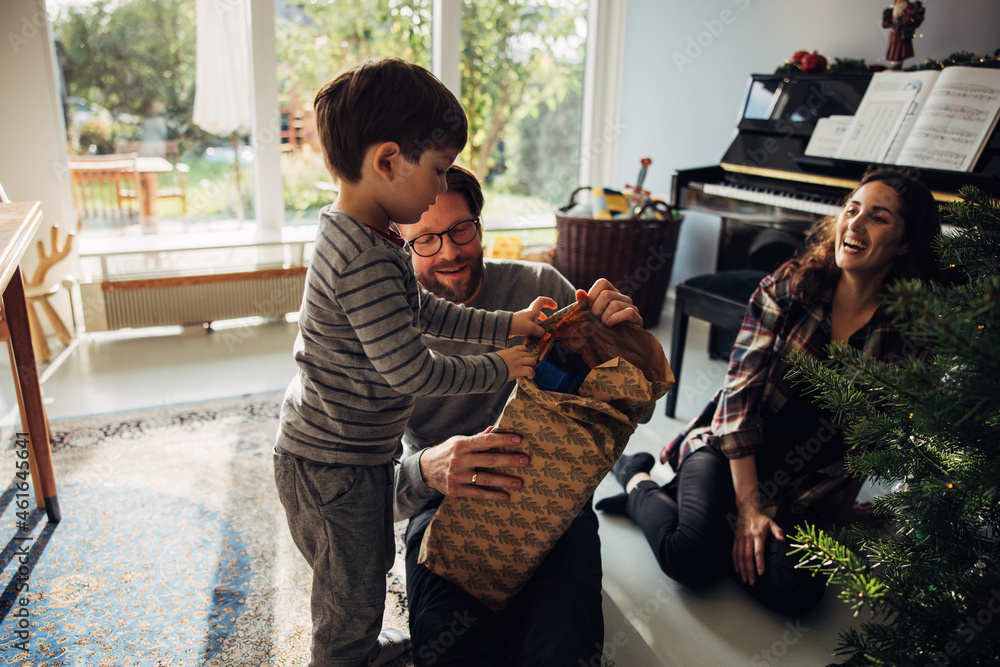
637 256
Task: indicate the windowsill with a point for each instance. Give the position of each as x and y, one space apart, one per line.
192 252
92 246
202 249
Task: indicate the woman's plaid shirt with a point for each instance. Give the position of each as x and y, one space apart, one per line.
775 325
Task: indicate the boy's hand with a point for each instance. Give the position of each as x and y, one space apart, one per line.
609 304
525 321
520 362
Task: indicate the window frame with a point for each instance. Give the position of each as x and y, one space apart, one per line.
601 95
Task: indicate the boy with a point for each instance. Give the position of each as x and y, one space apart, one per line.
389 132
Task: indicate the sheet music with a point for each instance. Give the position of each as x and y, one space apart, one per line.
921 84
827 136
955 122
875 124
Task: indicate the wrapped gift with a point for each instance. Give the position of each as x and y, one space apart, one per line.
489 548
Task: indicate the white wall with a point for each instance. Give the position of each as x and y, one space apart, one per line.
32 153
687 64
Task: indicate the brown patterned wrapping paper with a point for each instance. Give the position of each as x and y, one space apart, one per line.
491 549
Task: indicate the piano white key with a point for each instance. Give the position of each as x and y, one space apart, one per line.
771 199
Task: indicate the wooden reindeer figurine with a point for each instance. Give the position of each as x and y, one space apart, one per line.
38 292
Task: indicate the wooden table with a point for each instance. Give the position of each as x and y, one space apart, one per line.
18 223
149 169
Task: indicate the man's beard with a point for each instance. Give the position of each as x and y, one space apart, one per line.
457 292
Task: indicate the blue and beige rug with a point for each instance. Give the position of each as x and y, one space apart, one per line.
173 549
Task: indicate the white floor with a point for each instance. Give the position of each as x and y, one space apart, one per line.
123 370
650 620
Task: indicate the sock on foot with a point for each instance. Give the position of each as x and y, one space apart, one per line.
627 467
613 504
392 643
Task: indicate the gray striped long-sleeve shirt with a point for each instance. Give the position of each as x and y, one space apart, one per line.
360 354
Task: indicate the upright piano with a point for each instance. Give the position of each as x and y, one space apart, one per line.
769 193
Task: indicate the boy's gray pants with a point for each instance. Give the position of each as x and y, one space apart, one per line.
341 520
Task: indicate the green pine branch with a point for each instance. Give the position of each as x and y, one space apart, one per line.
928 428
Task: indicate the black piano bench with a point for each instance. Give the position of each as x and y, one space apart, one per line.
718 298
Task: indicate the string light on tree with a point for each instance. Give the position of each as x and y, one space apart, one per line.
935 431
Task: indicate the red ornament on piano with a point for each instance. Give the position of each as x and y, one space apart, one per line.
810 63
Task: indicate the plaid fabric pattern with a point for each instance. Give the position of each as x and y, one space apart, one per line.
775 325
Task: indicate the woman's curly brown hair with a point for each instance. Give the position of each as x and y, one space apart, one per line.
814 271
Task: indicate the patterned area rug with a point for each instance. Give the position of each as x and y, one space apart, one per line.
173 549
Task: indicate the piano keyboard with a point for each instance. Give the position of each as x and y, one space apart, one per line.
799 202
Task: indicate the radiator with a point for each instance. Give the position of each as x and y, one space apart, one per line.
191 300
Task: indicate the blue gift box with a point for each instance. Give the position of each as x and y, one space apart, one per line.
561 370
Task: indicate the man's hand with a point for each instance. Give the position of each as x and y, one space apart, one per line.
609 304
525 322
451 466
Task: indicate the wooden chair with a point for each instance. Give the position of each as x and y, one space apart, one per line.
179 190
37 292
105 186
169 150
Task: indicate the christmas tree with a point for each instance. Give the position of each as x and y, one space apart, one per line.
928 428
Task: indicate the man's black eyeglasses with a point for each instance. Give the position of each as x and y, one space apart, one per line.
428 245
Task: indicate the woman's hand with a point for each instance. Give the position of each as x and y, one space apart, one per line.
525 322
749 554
752 525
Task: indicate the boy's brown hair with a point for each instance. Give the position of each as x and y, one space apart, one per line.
385 99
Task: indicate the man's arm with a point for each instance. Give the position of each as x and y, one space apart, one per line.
411 493
451 467
446 468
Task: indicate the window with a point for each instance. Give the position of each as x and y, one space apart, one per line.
521 80
522 72
130 73
314 41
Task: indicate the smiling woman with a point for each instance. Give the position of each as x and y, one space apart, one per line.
884 197
869 240
741 458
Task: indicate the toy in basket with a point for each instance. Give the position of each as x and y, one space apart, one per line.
636 253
